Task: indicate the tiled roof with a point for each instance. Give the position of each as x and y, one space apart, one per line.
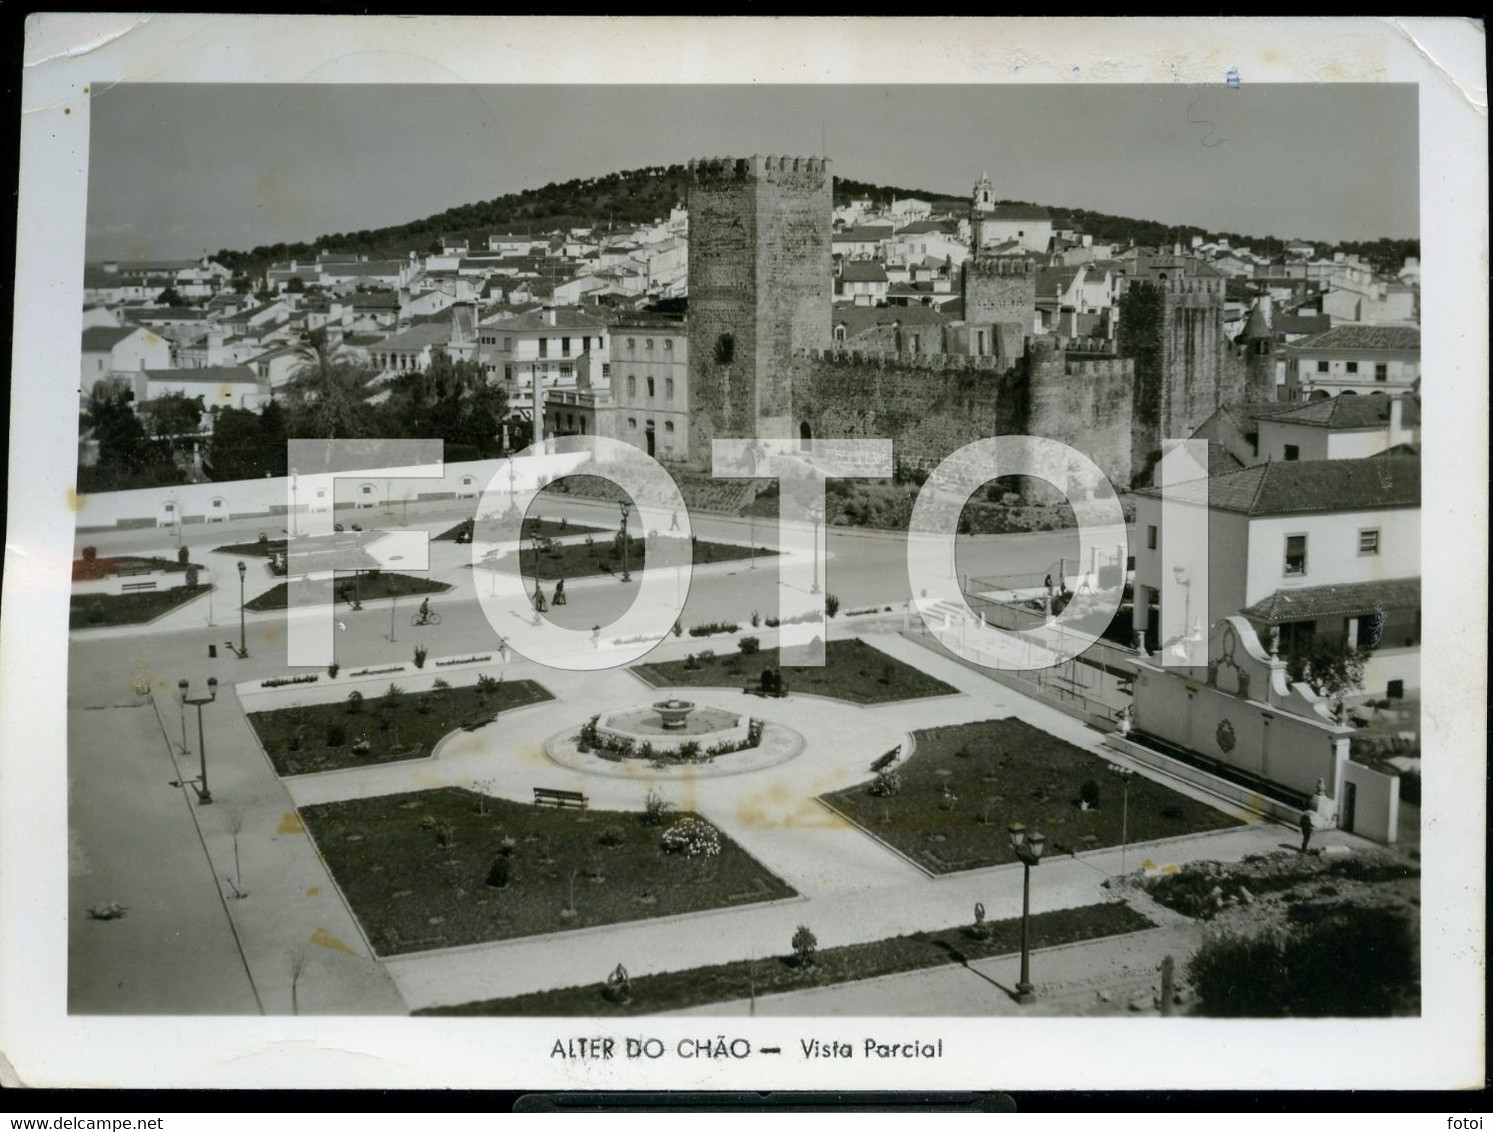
373 300
1351 599
378 267
871 233
534 321
1293 323
863 271
1348 412
419 337
215 375
1354 336
1308 487
1017 212
105 337
924 227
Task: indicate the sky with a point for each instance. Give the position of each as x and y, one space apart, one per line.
176 170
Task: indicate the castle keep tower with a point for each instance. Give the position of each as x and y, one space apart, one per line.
1185 365
760 288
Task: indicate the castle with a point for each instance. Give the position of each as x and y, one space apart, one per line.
762 362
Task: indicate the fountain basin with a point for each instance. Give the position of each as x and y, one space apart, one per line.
673 713
706 726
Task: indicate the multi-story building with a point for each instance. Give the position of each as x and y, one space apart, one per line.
1308 548
650 385
1353 359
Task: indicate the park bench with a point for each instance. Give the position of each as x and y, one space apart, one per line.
546 797
757 690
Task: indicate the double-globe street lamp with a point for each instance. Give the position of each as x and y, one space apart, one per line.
204 795
242 652
1029 848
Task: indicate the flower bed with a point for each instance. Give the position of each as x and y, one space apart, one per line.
949 805
463 660
96 611
726 982
371 587
852 670
448 867
303 739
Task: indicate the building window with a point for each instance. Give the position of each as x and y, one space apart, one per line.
668 345
1381 371
565 373
1295 555
632 422
632 386
725 350
668 389
1352 367
648 345
1322 367
650 387
508 373
632 343
1293 452
1368 541
668 426
508 343
544 347
839 334
1150 538
565 347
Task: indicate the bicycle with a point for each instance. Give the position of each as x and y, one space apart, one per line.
431 618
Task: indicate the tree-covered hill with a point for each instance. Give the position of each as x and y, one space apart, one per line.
640 196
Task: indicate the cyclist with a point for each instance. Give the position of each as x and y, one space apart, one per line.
425 611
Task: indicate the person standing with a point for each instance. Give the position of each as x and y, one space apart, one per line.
1306 829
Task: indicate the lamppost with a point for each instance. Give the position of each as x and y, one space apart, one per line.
1029 848
626 573
204 795
815 517
243 649
1124 774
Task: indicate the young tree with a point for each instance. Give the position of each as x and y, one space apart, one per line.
1332 667
170 297
173 416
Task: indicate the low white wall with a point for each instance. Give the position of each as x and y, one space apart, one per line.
1273 744
243 499
1376 803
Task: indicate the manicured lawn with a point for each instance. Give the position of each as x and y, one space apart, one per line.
404 726
604 556
1005 771
93 611
700 986
370 587
91 569
853 671
414 868
533 528
253 549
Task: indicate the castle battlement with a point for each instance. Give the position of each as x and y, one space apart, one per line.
887 358
999 265
1103 367
1183 285
706 170
1056 343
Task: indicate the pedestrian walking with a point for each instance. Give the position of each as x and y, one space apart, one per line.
674 522
503 648
1306 829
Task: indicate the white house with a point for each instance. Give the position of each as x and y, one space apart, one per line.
1353 359
1322 547
110 351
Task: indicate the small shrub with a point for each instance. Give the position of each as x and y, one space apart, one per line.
391 697
646 750
440 685
689 751
96 612
500 873
655 806
692 838
194 572
354 702
336 735
183 555
886 674
420 654
333 669
805 943
706 654
486 685
1088 794
886 784
756 619
90 553
361 746
749 645
611 837
445 835
678 629
831 604
423 705
618 986
691 662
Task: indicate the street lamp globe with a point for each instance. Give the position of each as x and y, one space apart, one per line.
242 570
181 686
